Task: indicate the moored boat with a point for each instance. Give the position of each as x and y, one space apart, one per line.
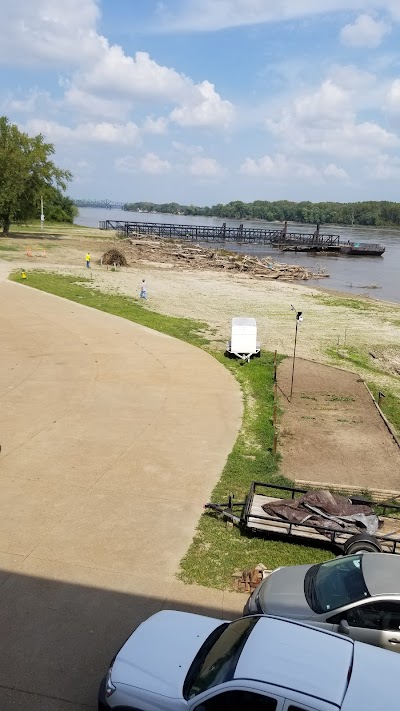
367 249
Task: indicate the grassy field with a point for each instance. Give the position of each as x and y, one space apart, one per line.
216 550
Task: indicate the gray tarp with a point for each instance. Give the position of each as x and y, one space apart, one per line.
323 509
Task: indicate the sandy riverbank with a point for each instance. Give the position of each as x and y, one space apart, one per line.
367 325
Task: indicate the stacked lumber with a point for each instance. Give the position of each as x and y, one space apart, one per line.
192 256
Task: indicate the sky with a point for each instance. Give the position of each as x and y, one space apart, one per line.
207 101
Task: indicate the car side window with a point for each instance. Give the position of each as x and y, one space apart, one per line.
238 701
373 616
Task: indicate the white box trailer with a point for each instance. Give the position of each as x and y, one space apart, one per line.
243 343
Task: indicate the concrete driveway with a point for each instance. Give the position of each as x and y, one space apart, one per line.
112 437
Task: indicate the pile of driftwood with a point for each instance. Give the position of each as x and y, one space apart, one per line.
195 257
115 258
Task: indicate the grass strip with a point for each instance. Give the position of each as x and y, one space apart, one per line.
360 304
216 550
390 404
82 291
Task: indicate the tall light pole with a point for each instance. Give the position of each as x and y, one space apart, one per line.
299 318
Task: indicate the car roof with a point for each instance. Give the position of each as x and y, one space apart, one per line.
296 656
381 573
374 680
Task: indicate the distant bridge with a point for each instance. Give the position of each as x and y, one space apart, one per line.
104 204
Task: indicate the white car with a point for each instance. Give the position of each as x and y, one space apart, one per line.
176 661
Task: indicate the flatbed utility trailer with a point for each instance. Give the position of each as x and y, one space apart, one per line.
251 517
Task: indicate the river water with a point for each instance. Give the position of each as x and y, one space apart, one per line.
350 274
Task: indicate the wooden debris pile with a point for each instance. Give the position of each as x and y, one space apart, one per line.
193 256
115 258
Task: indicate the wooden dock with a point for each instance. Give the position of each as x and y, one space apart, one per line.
280 238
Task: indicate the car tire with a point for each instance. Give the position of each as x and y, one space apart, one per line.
361 543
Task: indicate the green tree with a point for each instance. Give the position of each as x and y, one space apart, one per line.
26 174
59 207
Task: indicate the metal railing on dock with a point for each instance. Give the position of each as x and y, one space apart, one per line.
221 233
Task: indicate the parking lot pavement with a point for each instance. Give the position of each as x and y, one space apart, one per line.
112 438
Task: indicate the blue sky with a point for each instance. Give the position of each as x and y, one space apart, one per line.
207 101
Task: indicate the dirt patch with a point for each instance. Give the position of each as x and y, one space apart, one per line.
331 432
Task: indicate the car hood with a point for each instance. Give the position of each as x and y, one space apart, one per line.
157 656
282 593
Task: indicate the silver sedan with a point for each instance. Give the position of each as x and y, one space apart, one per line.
357 595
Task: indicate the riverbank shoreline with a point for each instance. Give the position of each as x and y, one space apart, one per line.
339 328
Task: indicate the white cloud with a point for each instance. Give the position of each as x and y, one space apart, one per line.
106 82
203 15
141 79
202 167
150 163
328 103
57 31
154 165
393 97
86 104
31 102
112 133
279 167
364 32
138 77
187 149
324 120
204 108
157 126
333 171
384 167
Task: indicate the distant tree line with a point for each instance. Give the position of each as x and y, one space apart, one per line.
368 213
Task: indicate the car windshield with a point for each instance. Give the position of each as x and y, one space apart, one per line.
217 659
334 584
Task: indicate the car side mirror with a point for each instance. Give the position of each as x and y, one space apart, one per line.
344 627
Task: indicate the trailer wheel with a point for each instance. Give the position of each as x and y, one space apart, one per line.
258 355
361 543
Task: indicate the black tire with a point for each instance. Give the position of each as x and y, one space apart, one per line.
258 355
361 543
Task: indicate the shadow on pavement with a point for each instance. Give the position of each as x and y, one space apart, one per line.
58 638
